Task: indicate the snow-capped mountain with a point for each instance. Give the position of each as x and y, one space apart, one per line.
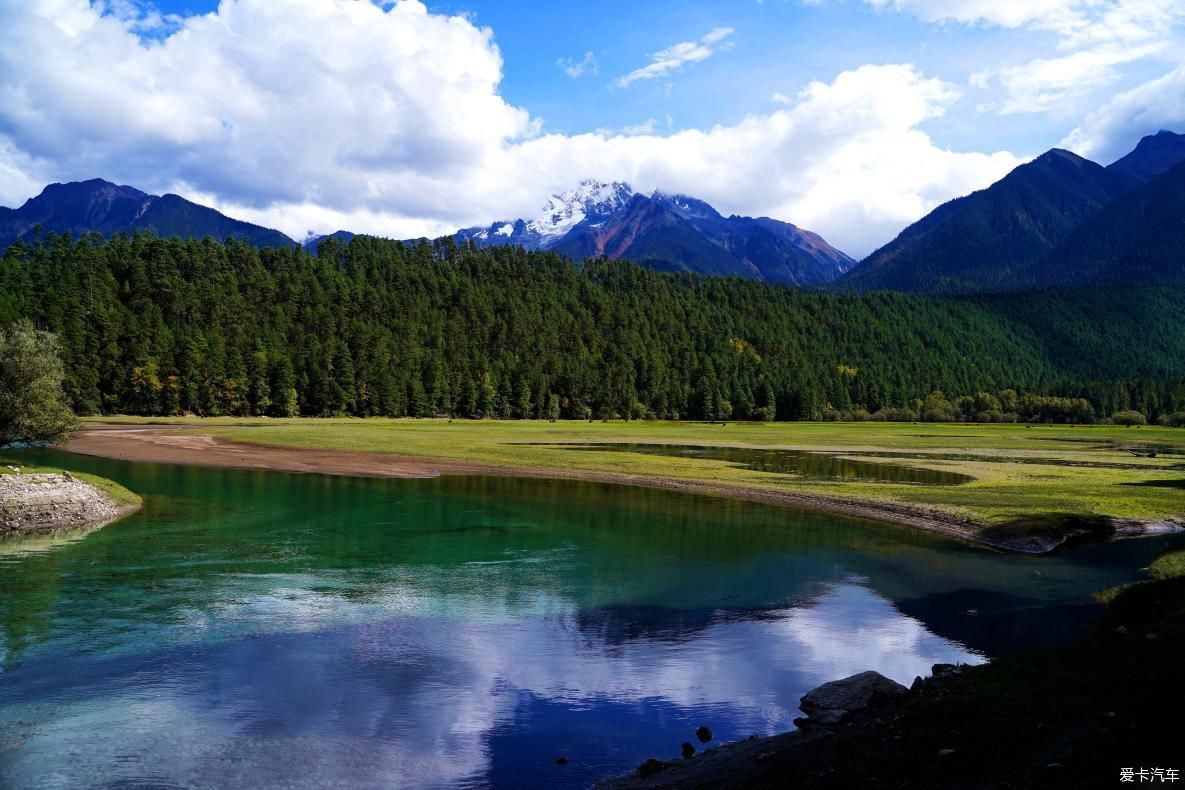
668 233
591 201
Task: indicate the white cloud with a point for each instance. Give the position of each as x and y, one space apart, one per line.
1075 21
1094 37
673 58
846 159
327 114
1049 84
1109 131
578 68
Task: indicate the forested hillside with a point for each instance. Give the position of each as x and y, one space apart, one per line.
1139 238
373 327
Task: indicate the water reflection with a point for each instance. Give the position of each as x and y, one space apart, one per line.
421 697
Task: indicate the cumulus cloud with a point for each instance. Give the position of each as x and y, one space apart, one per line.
673 58
846 159
327 114
1109 131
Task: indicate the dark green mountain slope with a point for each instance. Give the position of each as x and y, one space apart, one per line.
980 242
1139 238
1155 154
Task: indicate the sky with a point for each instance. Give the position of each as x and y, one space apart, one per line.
851 118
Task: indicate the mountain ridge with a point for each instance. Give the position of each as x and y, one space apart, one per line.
1001 237
100 206
668 232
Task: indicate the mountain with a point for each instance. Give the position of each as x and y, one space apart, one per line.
982 241
1138 238
312 242
102 207
1154 155
590 204
673 233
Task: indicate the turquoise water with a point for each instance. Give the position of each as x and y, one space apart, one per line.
260 629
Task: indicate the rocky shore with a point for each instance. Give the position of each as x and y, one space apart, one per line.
1070 716
33 504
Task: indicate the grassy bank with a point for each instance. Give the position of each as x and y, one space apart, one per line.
1020 473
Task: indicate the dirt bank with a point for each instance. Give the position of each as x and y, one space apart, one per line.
172 446
33 504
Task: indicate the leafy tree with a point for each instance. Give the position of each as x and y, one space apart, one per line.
33 405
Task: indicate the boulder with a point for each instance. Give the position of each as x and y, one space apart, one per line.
832 701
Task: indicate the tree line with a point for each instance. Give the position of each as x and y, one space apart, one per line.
162 326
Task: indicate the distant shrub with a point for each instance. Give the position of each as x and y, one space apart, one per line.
1176 420
859 415
895 415
1129 418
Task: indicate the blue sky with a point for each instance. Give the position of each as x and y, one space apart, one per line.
849 117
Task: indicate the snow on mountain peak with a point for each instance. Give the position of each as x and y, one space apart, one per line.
590 200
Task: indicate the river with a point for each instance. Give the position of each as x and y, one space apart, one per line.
257 629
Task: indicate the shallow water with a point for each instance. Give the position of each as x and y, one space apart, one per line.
259 629
812 466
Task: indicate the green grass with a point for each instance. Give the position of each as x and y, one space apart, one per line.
1168 566
1004 490
114 491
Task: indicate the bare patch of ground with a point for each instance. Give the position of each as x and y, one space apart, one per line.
39 503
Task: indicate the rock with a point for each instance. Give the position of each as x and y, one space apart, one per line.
829 718
704 734
650 768
561 761
47 502
853 693
688 751
917 683
69 478
941 670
